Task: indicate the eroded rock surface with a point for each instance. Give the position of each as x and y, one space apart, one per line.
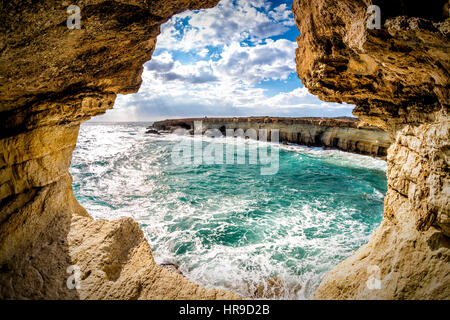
51 80
347 134
398 77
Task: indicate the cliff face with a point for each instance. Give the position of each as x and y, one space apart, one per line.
344 134
398 77
51 80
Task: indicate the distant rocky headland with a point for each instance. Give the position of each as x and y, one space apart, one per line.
343 133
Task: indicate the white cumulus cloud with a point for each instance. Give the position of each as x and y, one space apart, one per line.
227 57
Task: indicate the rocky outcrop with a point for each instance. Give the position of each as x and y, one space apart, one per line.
51 80
398 77
347 134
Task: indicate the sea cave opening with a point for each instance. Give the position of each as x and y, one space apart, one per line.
226 225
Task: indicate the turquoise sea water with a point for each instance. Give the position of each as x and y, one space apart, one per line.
228 226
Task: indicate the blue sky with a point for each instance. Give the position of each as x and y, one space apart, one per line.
236 59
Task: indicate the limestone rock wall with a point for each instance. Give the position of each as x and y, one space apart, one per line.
398 77
340 133
51 80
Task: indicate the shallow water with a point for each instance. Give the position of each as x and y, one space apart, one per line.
228 226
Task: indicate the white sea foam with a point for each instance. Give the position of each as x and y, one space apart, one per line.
338 157
289 235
